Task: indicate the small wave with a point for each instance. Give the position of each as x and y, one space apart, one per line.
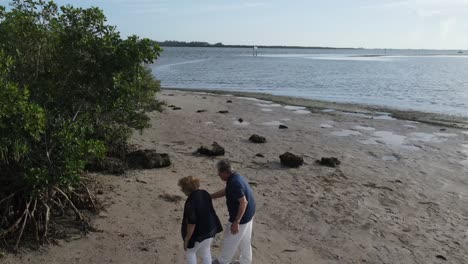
167 66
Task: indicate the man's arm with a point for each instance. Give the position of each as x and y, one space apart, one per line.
240 213
218 194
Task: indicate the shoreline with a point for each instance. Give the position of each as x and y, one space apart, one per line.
316 106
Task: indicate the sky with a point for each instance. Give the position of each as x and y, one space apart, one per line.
415 24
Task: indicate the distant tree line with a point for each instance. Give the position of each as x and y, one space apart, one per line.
202 44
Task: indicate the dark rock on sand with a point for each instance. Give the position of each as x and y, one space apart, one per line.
223 111
260 155
215 150
147 159
283 127
329 162
289 159
443 129
240 120
257 139
176 108
229 101
201 111
441 257
109 164
171 106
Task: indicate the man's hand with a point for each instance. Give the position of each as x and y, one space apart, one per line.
235 228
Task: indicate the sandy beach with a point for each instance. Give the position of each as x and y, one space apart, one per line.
399 195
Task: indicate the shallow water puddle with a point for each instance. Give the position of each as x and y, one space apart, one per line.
301 112
384 117
388 138
293 107
446 134
426 137
269 105
237 123
365 128
254 99
345 133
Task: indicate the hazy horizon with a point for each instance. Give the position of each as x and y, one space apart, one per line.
371 24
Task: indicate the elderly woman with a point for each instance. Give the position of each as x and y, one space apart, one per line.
200 222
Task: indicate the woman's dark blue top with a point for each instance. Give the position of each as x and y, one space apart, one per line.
198 210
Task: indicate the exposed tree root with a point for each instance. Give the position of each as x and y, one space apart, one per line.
31 215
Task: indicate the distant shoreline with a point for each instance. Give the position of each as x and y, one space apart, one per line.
318 105
201 44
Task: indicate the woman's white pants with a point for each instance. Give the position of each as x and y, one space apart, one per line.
201 249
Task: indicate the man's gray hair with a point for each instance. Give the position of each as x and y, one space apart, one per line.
224 166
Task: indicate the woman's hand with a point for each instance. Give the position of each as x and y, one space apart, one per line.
185 244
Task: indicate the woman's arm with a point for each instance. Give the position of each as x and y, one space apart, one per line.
190 229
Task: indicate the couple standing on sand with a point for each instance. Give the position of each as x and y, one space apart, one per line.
200 222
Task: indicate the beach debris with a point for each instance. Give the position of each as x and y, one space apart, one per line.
291 160
176 108
443 129
223 111
257 139
172 198
373 185
282 127
201 111
260 155
329 161
216 150
441 257
109 164
171 106
229 101
253 183
147 159
240 120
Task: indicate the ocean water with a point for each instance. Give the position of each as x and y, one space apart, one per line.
429 81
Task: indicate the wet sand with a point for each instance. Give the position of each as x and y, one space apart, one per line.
398 196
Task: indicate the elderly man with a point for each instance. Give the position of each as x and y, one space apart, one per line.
241 206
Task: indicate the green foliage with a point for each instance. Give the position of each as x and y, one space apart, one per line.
71 90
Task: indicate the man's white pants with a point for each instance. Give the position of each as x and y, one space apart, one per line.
241 240
201 249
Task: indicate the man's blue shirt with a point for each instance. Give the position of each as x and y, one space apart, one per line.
236 188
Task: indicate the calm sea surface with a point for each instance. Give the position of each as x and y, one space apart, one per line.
430 81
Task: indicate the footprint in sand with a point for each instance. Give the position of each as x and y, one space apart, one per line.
272 123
